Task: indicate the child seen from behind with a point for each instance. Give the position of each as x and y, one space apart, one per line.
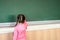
20 28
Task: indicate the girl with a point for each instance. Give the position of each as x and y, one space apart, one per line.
20 28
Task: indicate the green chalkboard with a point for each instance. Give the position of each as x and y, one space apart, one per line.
34 10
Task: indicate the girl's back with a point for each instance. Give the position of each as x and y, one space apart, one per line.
21 26
21 31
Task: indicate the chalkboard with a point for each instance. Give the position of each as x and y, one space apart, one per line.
34 10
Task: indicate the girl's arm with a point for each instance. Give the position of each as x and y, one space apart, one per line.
26 24
15 34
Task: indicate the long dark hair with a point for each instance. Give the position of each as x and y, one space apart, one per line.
20 18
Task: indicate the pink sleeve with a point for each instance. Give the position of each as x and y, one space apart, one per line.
26 24
15 34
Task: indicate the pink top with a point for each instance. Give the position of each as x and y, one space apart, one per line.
20 31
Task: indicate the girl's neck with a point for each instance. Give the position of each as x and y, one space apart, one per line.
20 23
